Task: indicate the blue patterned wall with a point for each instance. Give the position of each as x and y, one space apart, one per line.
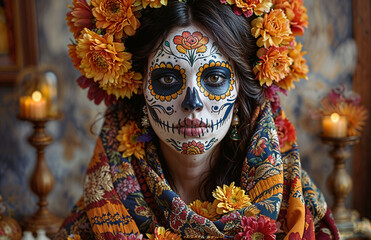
331 58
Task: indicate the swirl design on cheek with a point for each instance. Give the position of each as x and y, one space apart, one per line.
166 82
229 105
215 80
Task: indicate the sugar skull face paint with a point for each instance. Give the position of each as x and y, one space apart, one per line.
190 91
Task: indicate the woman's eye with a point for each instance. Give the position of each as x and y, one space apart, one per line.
214 79
167 80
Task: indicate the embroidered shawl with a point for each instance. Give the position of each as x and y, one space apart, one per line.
125 196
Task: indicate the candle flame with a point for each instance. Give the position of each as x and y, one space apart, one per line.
335 117
36 96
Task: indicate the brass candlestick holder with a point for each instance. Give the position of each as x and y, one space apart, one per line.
41 182
340 184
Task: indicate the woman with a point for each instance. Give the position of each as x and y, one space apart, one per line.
203 158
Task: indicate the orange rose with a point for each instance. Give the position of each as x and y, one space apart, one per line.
272 29
116 17
273 66
295 12
190 41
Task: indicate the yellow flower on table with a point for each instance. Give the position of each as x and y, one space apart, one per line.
129 145
230 198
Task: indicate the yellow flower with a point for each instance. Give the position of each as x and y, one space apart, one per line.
273 66
154 3
129 145
356 117
74 237
125 86
115 16
230 198
205 209
273 28
162 234
101 58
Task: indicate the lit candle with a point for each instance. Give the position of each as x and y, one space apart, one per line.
334 126
37 106
33 107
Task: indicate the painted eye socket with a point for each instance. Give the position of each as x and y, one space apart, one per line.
216 80
166 82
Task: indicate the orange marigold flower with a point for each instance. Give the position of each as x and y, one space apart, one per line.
79 17
356 117
248 7
161 234
273 28
154 3
273 66
101 58
299 68
205 209
76 60
116 17
295 12
129 145
190 41
125 86
230 198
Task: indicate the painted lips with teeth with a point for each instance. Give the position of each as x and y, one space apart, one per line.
191 127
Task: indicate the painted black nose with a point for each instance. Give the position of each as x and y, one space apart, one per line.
192 101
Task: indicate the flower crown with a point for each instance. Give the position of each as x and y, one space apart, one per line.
101 27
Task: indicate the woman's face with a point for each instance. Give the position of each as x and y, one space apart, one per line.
190 91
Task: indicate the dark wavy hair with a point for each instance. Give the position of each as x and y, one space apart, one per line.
232 34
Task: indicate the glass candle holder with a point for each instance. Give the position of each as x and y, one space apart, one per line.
40 92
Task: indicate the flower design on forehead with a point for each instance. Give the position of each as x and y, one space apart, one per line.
191 44
101 27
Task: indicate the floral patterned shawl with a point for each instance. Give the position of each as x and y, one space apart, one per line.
124 197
